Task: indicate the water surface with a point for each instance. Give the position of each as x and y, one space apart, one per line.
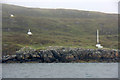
60 70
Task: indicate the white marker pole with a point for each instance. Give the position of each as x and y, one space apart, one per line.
29 30
97 36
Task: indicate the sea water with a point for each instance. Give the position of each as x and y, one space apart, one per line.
60 70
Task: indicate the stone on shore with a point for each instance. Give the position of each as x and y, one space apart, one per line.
28 54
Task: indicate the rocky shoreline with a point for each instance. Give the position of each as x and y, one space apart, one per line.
62 55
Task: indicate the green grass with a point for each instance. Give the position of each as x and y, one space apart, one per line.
61 27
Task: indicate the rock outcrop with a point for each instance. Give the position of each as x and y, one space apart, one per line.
64 55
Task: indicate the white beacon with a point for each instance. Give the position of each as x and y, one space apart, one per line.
11 15
29 33
98 45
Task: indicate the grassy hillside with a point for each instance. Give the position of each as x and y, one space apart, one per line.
56 27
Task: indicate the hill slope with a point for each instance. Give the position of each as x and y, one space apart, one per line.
56 27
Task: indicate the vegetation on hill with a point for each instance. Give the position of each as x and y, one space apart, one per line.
56 27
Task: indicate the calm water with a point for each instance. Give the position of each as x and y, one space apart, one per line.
60 70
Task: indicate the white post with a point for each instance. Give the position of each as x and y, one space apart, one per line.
29 30
97 36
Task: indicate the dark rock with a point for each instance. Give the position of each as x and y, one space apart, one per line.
27 54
